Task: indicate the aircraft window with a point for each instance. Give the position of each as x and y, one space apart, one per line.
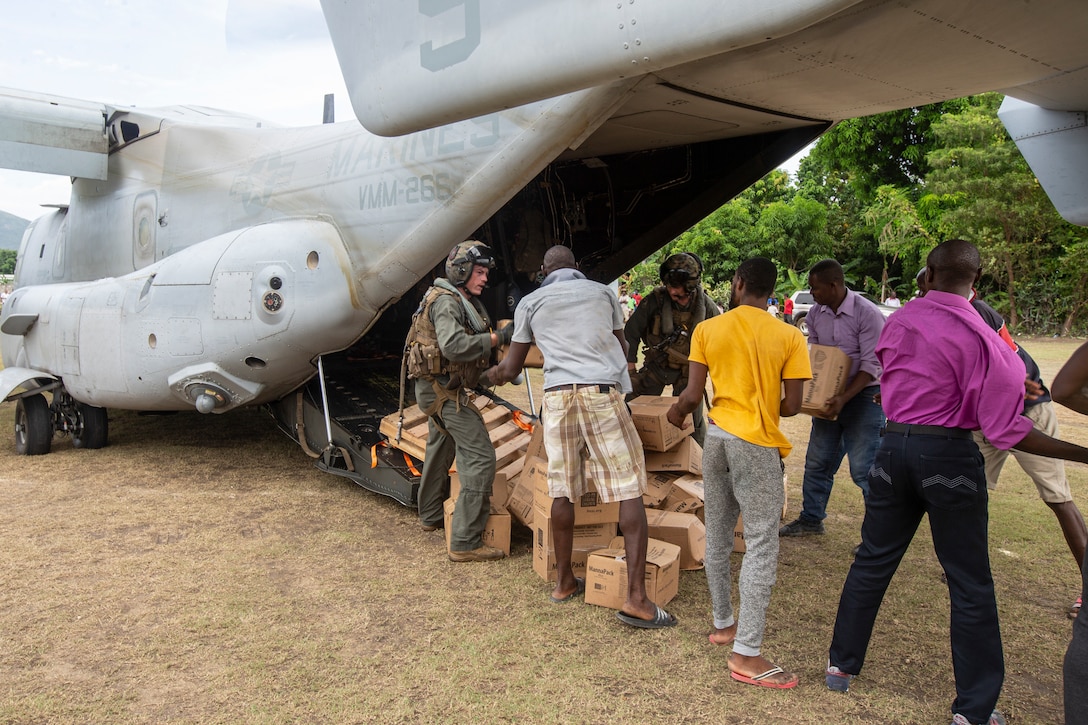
152 341
129 131
312 260
255 362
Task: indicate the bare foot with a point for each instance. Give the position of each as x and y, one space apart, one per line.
565 593
641 610
759 671
723 636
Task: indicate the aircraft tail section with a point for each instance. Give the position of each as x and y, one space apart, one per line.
472 57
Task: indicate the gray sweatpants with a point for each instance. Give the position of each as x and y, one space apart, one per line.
742 478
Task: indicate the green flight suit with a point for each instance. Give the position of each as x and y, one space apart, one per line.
665 355
456 431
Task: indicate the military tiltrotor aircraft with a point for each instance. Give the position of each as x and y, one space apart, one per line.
209 261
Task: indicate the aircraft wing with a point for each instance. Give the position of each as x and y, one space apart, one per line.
52 135
72 137
721 69
818 59
471 57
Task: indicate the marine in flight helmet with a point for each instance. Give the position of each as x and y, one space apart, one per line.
463 257
682 270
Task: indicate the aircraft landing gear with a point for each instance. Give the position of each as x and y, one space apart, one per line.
94 428
36 421
33 426
88 424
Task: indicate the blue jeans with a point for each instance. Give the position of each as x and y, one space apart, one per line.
856 434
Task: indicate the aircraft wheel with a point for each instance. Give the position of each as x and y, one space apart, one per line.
93 429
33 426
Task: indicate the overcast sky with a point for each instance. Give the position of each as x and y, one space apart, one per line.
268 58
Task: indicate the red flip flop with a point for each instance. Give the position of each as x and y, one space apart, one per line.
763 680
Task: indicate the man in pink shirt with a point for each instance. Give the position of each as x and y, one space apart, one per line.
945 374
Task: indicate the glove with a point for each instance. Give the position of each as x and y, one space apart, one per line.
505 334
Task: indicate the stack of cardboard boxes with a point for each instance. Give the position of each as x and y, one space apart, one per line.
674 490
510 434
674 500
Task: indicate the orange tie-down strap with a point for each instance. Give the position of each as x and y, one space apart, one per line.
520 421
385 444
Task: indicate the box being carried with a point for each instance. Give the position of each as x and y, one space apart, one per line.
657 433
533 358
830 369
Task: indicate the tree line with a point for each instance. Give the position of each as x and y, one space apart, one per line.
878 193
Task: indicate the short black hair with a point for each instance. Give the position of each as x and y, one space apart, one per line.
760 275
955 260
827 270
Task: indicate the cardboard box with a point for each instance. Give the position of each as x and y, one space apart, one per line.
606 574
830 369
536 449
588 509
519 503
657 433
739 547
684 530
499 491
533 359
658 486
685 496
587 539
496 529
685 457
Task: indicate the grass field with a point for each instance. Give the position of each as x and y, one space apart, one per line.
199 569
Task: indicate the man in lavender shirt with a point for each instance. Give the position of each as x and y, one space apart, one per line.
945 374
851 421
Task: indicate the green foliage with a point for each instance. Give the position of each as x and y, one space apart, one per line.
994 200
878 193
7 261
794 233
888 149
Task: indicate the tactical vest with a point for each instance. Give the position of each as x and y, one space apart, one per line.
425 359
669 348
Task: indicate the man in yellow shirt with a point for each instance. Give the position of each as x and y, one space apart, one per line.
751 358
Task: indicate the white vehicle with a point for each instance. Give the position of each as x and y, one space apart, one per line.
803 302
209 261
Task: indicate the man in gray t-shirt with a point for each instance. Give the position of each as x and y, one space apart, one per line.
578 325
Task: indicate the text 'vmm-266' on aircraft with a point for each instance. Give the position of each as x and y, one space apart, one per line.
209 261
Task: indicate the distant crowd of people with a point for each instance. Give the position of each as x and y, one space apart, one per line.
936 397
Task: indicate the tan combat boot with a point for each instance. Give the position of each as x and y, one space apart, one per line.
484 553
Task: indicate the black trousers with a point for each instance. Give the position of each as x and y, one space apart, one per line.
1075 668
943 477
